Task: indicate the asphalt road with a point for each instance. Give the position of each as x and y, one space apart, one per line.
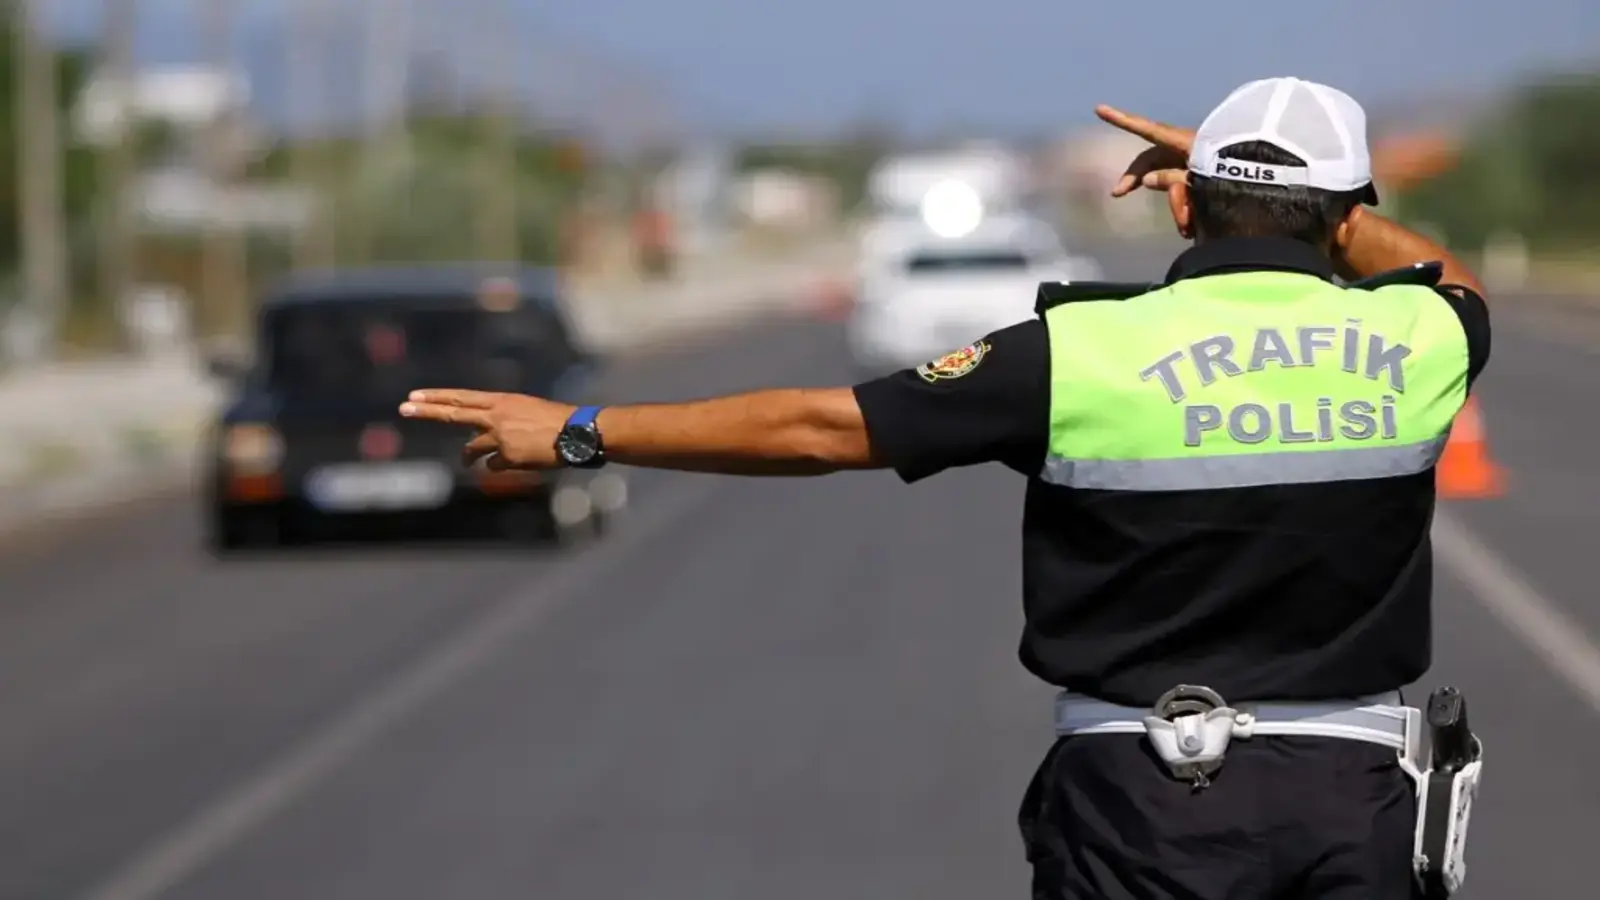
755 688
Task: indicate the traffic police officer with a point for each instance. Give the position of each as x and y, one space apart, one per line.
1226 566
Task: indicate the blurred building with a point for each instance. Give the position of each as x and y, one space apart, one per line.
1402 160
1002 178
785 200
1421 137
181 106
187 98
695 192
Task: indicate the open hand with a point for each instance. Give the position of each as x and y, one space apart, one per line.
515 431
1160 166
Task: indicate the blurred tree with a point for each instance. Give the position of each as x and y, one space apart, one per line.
1528 169
1560 145
421 194
159 141
570 157
73 66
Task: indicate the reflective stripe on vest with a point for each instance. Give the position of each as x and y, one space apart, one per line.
1250 379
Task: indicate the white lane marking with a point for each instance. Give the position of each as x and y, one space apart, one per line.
1559 641
248 804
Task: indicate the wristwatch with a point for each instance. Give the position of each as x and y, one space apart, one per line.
579 444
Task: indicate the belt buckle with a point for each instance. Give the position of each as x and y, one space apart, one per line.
1185 700
1183 746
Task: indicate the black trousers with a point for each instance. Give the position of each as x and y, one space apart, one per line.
1285 818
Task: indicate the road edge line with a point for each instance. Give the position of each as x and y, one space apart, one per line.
1556 638
247 804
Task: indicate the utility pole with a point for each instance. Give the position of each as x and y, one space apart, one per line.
315 243
117 157
386 55
498 238
43 238
224 263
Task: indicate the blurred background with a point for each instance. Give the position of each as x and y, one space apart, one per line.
743 688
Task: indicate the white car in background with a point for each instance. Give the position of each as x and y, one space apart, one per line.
923 291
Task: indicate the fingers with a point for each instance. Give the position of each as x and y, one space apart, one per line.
483 445
453 415
1158 180
1149 129
1164 179
1134 174
451 397
1155 169
1117 118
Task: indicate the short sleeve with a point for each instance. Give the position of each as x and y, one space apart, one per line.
986 402
1473 312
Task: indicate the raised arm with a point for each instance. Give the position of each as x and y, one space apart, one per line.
1370 244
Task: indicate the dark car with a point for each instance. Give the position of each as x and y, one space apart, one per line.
310 437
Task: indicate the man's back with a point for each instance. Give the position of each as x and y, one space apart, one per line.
1239 488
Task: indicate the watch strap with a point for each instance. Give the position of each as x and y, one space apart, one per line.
584 416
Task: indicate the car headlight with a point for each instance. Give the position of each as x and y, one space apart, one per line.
252 449
952 209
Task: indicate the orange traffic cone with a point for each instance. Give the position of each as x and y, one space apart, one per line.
1465 471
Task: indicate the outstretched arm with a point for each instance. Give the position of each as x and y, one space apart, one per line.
803 431
777 432
989 402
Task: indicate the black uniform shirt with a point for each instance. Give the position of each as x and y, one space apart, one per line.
1286 592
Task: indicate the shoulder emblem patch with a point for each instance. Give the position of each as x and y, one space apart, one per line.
954 365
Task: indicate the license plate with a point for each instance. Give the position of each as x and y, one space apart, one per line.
391 486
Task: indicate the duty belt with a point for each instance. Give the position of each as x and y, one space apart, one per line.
1192 726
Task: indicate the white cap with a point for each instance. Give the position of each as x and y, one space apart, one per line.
1323 126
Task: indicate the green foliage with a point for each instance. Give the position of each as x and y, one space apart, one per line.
1530 169
418 197
73 68
421 191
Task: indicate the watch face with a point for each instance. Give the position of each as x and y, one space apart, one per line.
578 445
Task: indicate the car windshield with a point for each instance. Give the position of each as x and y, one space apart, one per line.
971 261
368 353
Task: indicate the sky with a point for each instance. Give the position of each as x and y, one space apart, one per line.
1010 66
